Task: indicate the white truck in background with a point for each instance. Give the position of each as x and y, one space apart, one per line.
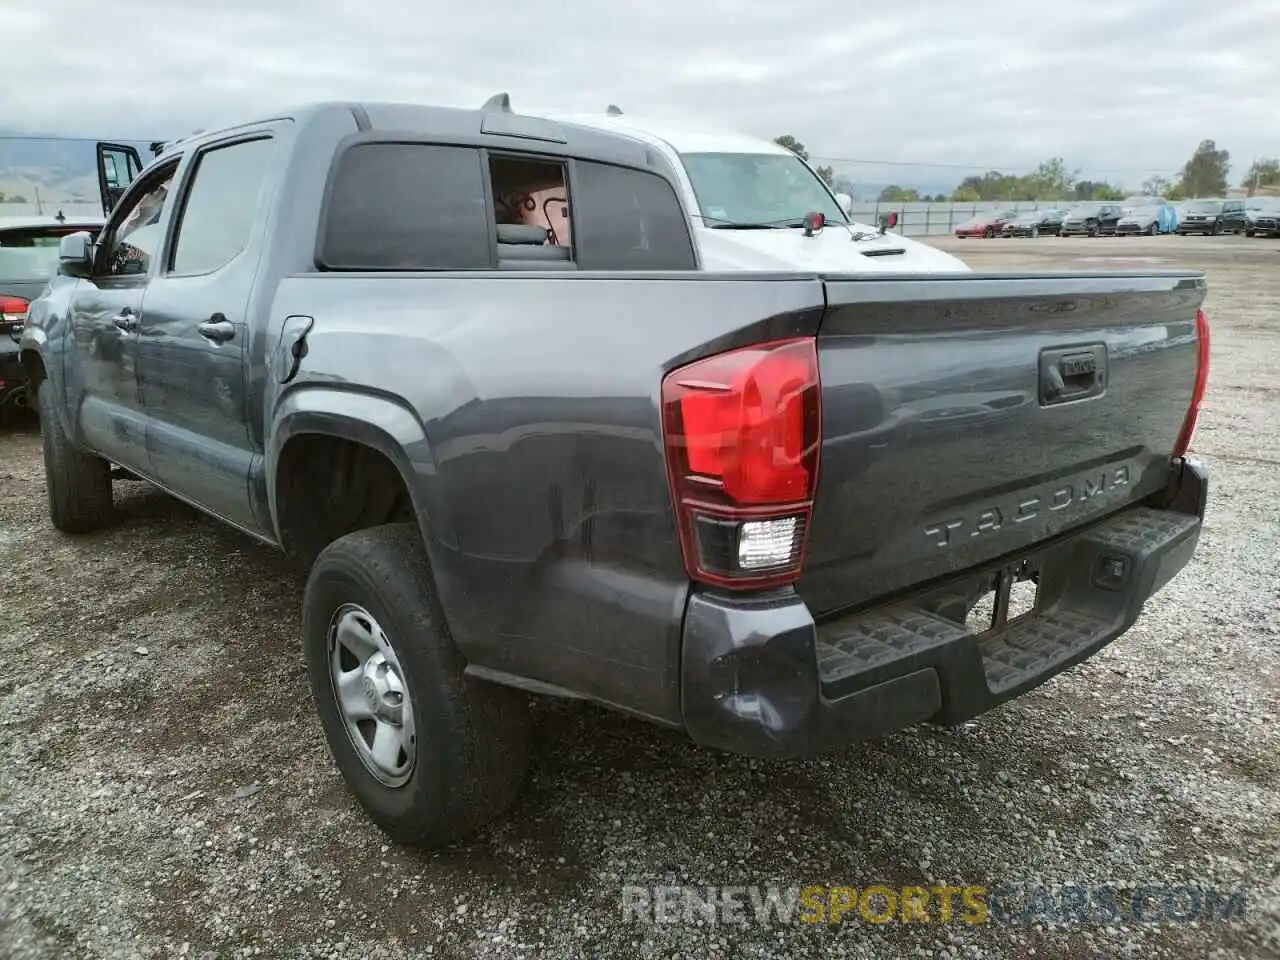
749 199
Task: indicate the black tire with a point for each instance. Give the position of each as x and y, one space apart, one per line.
1094 230
1035 233
1153 230
988 234
473 737
78 483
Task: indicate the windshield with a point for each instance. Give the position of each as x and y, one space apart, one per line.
31 254
757 188
1088 211
1203 207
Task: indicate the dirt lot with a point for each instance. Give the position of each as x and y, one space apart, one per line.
165 789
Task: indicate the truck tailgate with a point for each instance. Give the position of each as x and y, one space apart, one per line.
964 419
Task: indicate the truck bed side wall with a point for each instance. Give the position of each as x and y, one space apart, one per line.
540 476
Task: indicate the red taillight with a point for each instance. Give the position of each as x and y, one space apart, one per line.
1202 377
742 431
13 313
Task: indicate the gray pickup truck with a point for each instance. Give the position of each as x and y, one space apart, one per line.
464 366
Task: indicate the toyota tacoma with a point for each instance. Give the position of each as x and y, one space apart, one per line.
467 369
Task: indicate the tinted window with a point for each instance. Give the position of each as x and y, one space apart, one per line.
407 206
221 205
628 220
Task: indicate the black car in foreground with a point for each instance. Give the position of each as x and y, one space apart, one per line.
1091 220
1033 223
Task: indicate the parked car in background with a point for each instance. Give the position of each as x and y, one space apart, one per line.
28 259
1151 219
1203 216
986 225
1091 220
1244 218
1033 223
1267 221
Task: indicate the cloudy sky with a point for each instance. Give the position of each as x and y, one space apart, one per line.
1120 88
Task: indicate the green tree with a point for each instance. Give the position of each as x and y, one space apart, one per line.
792 144
1264 172
896 194
1205 174
827 174
965 193
1156 186
1050 181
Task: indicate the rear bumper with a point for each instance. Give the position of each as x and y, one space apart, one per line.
760 677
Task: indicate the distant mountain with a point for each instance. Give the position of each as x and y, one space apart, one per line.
39 171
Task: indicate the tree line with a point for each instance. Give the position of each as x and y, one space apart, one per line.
1205 174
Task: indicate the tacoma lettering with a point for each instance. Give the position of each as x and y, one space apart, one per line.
991 519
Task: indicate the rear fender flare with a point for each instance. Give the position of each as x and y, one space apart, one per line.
382 422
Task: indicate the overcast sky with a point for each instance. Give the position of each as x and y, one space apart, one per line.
1120 88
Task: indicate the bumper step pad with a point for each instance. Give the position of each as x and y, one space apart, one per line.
1091 589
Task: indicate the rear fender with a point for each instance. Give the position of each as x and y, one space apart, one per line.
381 422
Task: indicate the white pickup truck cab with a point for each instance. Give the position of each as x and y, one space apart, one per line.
747 200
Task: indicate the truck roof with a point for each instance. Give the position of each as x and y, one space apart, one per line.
537 132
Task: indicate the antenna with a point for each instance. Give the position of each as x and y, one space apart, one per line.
614 110
499 101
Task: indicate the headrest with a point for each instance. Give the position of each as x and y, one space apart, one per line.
521 233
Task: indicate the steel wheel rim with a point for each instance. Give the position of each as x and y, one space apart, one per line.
371 695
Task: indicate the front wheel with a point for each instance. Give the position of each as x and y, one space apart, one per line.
1153 230
1035 233
1093 230
431 754
988 233
77 483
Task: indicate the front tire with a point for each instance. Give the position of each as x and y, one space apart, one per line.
431 754
988 234
1035 233
78 484
1153 230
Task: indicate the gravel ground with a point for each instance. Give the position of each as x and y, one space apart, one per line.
165 789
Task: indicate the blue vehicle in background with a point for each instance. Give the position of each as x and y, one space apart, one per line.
1150 218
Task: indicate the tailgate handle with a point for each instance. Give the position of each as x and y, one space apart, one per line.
1072 373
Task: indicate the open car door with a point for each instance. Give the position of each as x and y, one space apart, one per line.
118 164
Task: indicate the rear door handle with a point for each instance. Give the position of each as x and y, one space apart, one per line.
217 328
126 321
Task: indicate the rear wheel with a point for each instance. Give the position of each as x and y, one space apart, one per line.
77 483
1153 230
988 233
431 754
1093 230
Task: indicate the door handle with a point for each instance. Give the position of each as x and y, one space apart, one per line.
128 322
217 328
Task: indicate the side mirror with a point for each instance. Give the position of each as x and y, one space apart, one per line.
75 255
888 221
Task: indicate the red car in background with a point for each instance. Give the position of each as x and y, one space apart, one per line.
986 225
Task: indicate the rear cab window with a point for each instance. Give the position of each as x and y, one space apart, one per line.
422 206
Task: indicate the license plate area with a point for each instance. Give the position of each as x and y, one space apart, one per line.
1012 594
